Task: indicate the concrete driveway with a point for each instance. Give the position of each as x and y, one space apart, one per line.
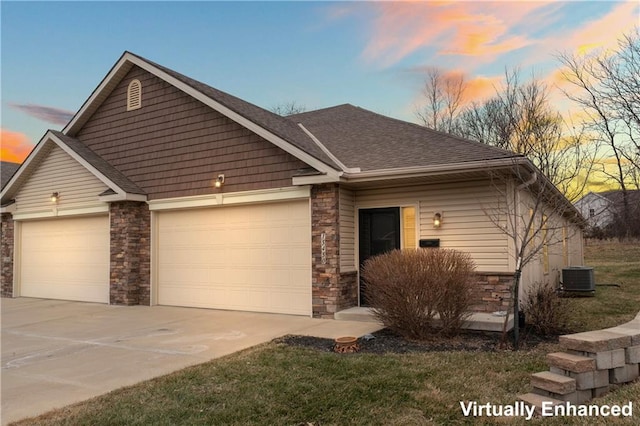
55 353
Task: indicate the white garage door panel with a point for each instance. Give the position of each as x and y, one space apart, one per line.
65 259
252 258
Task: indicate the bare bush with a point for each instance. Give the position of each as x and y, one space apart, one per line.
407 288
546 312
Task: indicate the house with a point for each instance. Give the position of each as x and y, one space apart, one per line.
596 208
163 190
603 209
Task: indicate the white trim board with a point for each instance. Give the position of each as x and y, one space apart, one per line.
231 198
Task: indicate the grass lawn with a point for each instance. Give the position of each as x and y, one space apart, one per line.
284 385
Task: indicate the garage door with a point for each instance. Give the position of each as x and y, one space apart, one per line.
65 259
250 258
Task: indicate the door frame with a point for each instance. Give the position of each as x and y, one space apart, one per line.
397 211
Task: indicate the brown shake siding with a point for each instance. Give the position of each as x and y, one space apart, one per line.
175 145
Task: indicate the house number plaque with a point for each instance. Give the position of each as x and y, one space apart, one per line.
323 248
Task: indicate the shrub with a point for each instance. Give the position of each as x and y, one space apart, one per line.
407 288
545 311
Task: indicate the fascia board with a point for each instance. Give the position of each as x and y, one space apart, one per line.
315 179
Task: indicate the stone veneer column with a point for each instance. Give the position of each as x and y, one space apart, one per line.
130 270
331 291
492 291
6 255
325 249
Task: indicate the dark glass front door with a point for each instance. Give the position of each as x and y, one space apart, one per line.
379 232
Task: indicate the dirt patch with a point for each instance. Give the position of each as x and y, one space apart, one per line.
386 341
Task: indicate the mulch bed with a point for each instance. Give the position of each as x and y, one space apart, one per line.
386 341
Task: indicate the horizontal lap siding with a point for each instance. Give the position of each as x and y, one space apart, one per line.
175 145
347 230
58 172
465 225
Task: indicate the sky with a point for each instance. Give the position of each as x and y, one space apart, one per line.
318 54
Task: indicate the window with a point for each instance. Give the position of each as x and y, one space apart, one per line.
592 212
134 95
409 227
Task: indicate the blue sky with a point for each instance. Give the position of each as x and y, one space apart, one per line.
318 54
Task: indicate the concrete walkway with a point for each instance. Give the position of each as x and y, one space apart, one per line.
55 353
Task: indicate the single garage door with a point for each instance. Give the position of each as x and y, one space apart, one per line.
65 259
249 258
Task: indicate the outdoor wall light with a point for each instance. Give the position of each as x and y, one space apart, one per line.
437 220
55 197
219 181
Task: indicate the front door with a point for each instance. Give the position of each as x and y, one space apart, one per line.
379 232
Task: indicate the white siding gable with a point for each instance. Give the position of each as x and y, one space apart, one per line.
59 172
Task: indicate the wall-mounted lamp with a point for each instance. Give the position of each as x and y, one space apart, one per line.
55 197
219 181
437 220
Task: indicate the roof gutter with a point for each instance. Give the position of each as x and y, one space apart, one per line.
439 169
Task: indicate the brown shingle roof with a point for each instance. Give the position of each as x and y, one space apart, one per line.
7 169
99 164
370 141
279 126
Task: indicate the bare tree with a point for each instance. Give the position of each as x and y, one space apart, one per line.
534 216
443 98
608 91
288 108
520 118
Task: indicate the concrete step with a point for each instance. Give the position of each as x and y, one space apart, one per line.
479 321
357 313
537 401
571 362
554 383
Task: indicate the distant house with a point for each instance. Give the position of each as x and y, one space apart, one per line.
596 208
7 169
164 190
602 209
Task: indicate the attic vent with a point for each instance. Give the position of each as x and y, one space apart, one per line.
134 95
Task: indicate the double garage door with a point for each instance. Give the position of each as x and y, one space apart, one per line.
250 257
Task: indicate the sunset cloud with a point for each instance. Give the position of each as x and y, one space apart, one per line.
14 146
478 29
45 113
602 33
